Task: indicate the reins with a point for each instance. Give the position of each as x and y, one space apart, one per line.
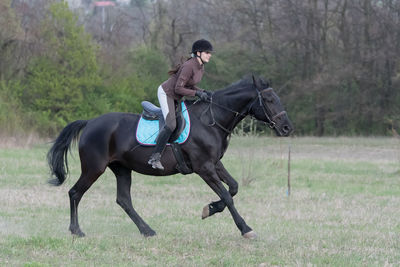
214 121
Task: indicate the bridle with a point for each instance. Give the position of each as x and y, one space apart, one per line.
271 120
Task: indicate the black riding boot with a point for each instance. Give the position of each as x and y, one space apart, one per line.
162 141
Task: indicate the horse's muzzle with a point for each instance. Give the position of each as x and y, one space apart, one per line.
283 125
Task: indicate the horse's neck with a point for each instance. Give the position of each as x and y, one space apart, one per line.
232 105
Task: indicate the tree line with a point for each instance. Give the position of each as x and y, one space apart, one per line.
333 63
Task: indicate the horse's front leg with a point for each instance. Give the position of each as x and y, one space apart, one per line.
219 206
209 174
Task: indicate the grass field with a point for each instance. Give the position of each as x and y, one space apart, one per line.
343 210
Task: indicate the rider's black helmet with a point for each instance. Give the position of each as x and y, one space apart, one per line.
202 46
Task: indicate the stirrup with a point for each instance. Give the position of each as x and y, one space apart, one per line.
155 162
157 165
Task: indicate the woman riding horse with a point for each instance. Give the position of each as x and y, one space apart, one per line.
182 82
109 141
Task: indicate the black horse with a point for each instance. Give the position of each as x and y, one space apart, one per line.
109 141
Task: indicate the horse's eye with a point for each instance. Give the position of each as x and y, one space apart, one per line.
269 98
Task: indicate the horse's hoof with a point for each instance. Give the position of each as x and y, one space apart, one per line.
205 213
78 233
149 233
250 235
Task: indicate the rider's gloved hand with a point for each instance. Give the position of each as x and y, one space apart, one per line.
202 95
208 93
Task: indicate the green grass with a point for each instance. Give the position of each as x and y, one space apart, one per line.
343 210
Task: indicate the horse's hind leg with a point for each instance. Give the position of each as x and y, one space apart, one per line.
219 206
86 180
124 180
92 166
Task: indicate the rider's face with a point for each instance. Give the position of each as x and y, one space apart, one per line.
205 56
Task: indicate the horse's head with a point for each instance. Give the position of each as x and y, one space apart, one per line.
267 107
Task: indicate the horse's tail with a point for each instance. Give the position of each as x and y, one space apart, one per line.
57 155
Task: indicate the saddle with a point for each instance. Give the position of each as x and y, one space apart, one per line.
152 121
153 113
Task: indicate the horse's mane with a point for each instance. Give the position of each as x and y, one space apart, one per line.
242 83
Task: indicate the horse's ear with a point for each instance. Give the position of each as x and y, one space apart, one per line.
265 83
255 82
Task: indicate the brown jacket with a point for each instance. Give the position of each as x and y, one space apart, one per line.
183 83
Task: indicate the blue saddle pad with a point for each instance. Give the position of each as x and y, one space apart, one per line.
147 130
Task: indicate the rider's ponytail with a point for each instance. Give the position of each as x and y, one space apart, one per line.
176 68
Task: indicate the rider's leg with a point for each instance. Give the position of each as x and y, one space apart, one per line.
168 108
167 105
